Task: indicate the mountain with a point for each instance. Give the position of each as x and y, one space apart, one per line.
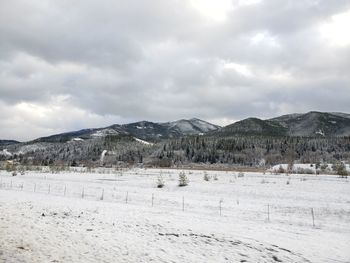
321 139
311 124
8 142
253 126
144 130
315 123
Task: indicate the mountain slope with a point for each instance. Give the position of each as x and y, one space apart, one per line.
144 130
147 130
315 123
190 127
253 126
310 124
8 142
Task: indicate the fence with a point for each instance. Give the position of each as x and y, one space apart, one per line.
225 208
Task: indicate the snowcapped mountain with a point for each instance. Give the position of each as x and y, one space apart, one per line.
141 142
311 124
150 130
144 130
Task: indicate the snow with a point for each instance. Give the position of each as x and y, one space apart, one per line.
203 125
77 139
31 147
142 141
320 133
5 152
183 125
192 126
102 156
104 132
85 217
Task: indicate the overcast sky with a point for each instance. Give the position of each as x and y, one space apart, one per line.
67 65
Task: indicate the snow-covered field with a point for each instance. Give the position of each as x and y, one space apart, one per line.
123 217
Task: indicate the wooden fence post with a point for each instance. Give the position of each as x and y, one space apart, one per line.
183 203
102 194
220 202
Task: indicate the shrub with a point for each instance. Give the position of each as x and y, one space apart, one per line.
160 181
341 170
280 169
183 180
304 171
216 177
10 167
206 177
240 174
263 181
324 166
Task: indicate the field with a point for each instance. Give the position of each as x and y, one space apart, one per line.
121 216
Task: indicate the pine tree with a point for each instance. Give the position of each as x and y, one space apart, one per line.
183 180
160 181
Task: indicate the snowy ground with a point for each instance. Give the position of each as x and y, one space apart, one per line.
80 217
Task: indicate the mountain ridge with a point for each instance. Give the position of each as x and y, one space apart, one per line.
145 130
320 136
310 124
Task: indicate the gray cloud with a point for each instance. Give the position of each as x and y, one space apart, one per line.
66 65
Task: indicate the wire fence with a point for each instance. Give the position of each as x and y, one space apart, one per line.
235 208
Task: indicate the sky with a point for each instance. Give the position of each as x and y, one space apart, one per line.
67 65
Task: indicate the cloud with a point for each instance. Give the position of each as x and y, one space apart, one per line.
67 65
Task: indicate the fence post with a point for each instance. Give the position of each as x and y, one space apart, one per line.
183 203
102 194
22 186
220 202
126 197
313 217
83 193
152 199
268 212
